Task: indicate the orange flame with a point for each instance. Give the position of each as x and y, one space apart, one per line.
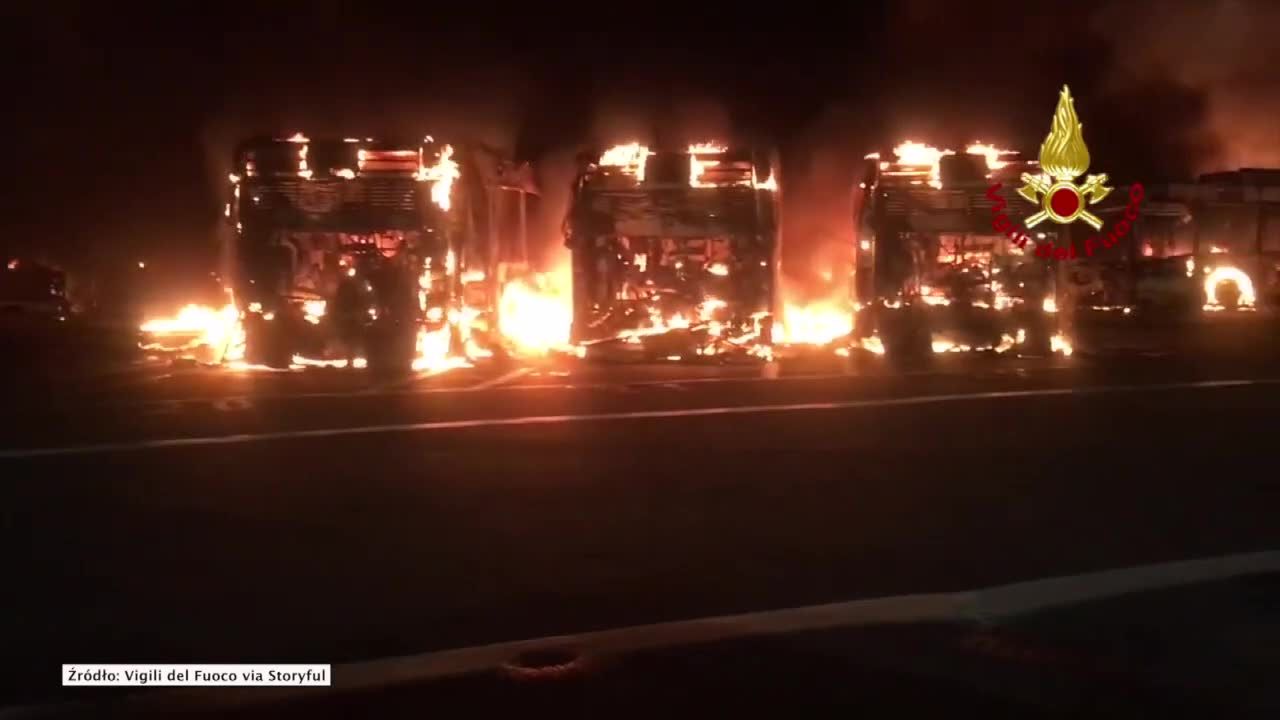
914 153
441 176
535 314
991 153
819 323
630 157
198 326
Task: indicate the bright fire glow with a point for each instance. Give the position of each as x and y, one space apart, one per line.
218 329
706 148
657 326
914 153
1059 343
298 362
313 310
698 166
991 153
1218 276
707 310
441 176
630 157
535 313
432 350
817 323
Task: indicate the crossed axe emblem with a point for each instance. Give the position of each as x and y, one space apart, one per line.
1063 201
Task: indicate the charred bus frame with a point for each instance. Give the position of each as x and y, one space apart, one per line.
932 275
344 246
675 251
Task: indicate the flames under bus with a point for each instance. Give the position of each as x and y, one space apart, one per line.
354 248
931 273
674 252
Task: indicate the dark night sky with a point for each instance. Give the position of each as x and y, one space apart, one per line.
123 116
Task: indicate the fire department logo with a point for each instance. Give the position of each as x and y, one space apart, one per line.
1063 158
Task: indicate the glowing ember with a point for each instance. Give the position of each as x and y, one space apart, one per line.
441 176
630 157
718 268
1217 277
768 184
535 314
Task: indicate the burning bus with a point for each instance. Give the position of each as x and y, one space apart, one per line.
674 253
931 273
1210 246
352 250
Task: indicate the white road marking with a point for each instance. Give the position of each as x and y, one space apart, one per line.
970 608
431 426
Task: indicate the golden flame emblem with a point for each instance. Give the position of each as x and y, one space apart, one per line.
1063 158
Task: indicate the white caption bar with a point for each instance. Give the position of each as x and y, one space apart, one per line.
258 675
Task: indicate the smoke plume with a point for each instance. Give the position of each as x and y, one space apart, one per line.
1216 59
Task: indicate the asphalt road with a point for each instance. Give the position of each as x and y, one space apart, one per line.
169 514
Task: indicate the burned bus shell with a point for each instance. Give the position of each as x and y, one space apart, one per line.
674 252
932 275
350 247
1205 247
